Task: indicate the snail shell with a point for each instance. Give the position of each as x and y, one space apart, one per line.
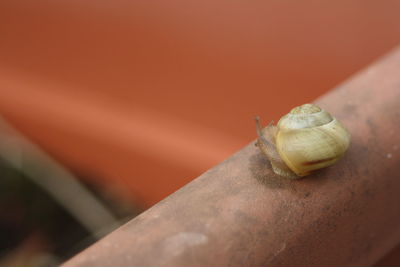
306 139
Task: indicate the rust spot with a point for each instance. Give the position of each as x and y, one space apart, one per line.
308 163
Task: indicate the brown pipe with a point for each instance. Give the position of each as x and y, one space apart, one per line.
240 213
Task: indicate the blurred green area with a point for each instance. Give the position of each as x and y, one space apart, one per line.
36 228
25 209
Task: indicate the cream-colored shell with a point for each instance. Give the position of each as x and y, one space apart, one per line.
306 139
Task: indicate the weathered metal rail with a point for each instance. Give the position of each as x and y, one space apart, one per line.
240 213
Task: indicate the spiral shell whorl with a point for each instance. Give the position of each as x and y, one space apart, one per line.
307 138
304 116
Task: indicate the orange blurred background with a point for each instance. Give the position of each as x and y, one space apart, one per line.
143 96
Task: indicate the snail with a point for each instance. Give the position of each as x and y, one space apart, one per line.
306 139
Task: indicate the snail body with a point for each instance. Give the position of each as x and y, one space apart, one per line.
306 139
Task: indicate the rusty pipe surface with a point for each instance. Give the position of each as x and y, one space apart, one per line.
240 213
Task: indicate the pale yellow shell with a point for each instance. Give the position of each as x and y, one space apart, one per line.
306 139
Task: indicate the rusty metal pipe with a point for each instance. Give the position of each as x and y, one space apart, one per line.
240 213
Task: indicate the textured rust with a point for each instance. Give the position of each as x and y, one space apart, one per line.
240 213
